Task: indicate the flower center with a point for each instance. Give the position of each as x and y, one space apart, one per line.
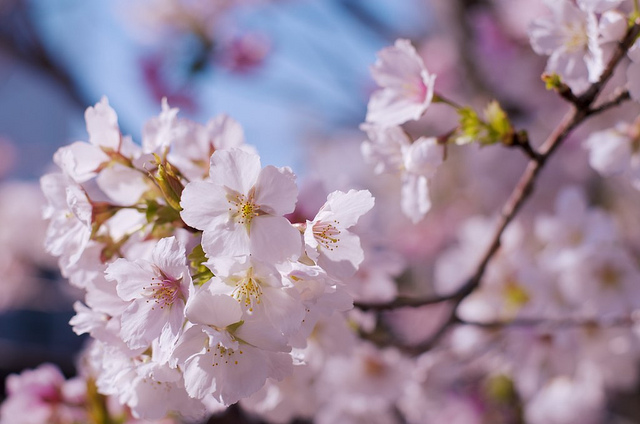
163 290
243 208
415 90
576 38
327 234
222 355
248 291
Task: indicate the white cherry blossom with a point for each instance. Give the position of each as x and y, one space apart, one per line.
616 151
328 240
157 291
240 208
406 86
219 359
81 160
390 150
70 215
570 38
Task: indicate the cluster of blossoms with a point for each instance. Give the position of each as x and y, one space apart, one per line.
197 285
212 280
407 90
47 397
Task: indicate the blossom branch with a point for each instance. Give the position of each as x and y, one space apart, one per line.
578 113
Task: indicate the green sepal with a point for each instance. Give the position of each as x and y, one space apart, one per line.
470 125
201 274
494 128
169 183
499 388
233 327
498 126
552 81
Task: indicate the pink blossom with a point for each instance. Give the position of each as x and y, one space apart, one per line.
407 86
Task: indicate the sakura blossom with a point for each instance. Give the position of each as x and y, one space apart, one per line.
330 244
157 291
392 151
244 208
407 88
477 263
570 38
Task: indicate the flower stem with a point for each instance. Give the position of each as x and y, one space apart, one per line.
437 98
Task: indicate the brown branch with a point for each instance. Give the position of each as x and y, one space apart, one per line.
403 302
620 321
577 114
617 99
620 52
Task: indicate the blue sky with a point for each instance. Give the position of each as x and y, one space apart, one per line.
314 81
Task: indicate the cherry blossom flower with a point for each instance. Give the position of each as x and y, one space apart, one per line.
150 389
217 357
566 401
328 242
194 142
81 160
616 151
240 208
45 394
570 37
156 290
70 215
391 151
407 86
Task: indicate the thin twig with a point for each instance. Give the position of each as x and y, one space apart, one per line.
620 321
616 100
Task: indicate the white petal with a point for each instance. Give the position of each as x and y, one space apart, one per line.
169 255
283 308
276 191
204 205
130 278
346 208
80 160
102 125
122 184
219 310
141 322
235 169
274 239
232 240
415 197
225 132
